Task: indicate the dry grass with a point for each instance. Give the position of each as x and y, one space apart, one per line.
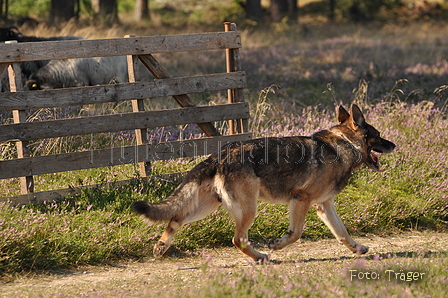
303 58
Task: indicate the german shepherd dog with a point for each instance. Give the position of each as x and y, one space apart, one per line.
299 171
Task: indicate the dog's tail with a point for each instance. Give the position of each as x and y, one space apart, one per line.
159 212
184 200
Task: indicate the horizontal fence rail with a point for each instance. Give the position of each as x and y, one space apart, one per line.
120 92
119 122
52 50
115 156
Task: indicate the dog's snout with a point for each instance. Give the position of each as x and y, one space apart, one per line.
388 146
393 146
384 146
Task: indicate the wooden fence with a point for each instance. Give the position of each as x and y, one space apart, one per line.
235 112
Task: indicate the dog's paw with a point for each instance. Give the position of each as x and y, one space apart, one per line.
160 248
361 249
275 244
261 258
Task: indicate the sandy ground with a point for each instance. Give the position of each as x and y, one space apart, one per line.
140 278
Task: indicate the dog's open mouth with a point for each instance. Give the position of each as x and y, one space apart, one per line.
374 163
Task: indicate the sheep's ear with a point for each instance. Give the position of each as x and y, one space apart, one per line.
358 117
342 114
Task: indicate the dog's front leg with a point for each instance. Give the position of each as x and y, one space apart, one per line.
298 206
327 212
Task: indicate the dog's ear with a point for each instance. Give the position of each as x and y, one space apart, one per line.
342 114
358 117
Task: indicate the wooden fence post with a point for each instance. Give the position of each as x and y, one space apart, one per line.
19 116
141 135
233 63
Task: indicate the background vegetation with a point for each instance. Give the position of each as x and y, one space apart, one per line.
249 12
296 73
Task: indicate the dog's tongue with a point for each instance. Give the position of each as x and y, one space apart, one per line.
376 159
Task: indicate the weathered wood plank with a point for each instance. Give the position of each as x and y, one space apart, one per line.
141 136
118 47
230 68
120 92
128 121
233 64
19 116
116 156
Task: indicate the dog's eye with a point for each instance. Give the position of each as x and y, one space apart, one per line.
376 134
372 133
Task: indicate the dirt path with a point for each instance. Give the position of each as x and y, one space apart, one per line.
139 278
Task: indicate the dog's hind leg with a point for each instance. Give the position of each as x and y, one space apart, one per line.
205 201
165 241
174 225
298 208
327 212
243 221
241 203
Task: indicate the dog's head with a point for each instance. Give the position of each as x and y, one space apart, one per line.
366 134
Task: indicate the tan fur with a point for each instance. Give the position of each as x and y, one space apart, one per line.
298 171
